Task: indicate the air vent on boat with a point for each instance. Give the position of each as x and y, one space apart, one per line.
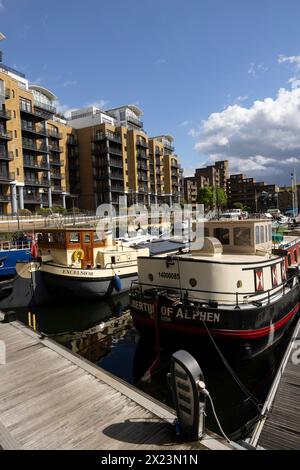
211 247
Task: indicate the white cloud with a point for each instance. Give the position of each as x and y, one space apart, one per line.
64 109
293 60
1 6
184 123
263 140
98 104
256 69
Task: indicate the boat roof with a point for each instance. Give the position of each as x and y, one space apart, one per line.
230 258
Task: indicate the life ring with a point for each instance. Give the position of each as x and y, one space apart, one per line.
78 255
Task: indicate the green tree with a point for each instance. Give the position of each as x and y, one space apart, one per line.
206 197
238 205
220 198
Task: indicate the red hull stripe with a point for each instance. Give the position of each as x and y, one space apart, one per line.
248 334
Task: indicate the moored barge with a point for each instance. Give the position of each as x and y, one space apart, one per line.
237 289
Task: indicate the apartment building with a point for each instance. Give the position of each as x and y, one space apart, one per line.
257 196
94 157
213 175
34 146
117 158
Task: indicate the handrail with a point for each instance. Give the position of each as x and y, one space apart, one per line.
245 295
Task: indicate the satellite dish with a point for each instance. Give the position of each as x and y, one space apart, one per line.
2 36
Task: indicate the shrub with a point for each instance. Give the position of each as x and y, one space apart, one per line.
25 212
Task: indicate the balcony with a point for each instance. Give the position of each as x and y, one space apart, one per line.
37 114
33 130
142 155
56 189
5 114
142 143
159 153
7 176
54 134
168 148
143 188
117 188
174 164
142 177
113 137
4 198
55 161
134 121
115 175
115 151
45 107
34 164
4 155
42 182
58 176
5 135
32 199
142 166
116 163
55 148
28 145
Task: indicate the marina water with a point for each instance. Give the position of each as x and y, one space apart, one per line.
102 332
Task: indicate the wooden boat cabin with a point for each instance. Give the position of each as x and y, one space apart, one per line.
83 248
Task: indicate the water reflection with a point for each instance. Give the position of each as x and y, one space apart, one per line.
102 332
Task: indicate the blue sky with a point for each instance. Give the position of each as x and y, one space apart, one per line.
195 67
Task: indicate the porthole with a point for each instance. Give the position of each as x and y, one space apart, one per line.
239 284
150 277
193 282
1 264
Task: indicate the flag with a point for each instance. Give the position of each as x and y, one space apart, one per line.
33 248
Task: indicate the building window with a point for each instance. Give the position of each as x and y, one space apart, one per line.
16 134
17 153
289 259
222 234
241 236
13 93
15 115
18 172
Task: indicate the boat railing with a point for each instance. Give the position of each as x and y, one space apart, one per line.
123 264
15 245
245 298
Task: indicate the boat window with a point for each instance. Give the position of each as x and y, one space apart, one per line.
222 234
74 237
270 232
262 234
87 238
241 236
295 256
266 233
257 239
113 260
193 282
59 237
289 259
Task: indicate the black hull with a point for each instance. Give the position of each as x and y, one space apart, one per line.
244 331
79 288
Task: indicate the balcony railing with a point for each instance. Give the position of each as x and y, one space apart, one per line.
142 143
55 161
116 188
58 176
4 155
55 148
7 135
34 130
54 134
169 147
33 146
142 177
35 164
116 175
32 199
5 113
45 106
56 189
7 176
115 151
134 121
36 182
39 114
142 155
107 135
116 163
4 198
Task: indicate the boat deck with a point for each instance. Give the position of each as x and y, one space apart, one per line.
281 428
51 398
